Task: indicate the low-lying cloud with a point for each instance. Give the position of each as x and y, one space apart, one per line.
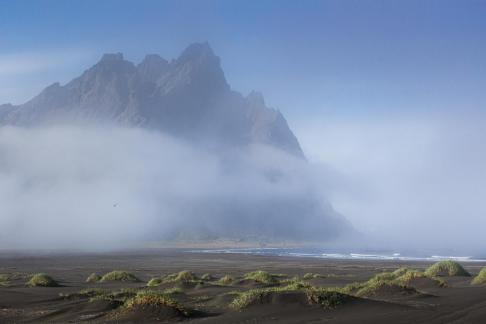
407 181
93 187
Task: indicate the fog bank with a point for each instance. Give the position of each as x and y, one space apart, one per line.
413 181
74 187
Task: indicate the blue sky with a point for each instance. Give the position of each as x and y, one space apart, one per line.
307 57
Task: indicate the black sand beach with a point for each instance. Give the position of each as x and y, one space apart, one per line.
207 299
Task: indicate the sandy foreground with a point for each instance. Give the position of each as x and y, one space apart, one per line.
207 301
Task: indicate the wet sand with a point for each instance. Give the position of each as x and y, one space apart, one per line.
208 302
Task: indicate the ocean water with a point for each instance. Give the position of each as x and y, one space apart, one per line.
346 255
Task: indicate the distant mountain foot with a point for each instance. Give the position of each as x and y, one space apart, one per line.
187 97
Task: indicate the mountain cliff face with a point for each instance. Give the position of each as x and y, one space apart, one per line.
187 97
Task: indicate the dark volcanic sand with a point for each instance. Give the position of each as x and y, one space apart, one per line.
459 303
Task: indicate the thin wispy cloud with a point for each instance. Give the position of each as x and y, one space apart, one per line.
15 64
24 74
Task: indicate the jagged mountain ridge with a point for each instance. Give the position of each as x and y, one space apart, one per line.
188 97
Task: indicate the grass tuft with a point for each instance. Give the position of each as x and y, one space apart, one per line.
226 280
93 278
118 275
182 276
4 279
154 282
326 297
119 296
480 278
261 277
447 268
150 298
42 280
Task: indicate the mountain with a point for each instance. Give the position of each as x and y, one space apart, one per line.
188 97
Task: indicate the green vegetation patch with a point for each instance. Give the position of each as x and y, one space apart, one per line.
154 282
41 280
309 276
261 277
84 293
399 279
183 276
118 275
480 278
119 296
226 280
407 277
296 283
447 268
154 299
4 279
93 278
326 297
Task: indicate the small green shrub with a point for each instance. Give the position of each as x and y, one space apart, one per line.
154 282
226 280
84 293
182 276
119 296
261 277
447 268
480 278
150 298
41 280
93 278
326 297
4 279
309 276
118 275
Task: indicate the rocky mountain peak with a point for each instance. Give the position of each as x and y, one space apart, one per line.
152 67
188 97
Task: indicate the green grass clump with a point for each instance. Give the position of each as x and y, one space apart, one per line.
41 280
118 275
296 283
480 278
447 268
309 276
183 276
150 298
119 296
246 298
226 280
399 279
372 288
4 279
401 271
326 297
154 282
410 275
84 293
93 278
261 277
